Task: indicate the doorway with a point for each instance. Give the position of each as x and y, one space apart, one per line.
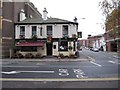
49 49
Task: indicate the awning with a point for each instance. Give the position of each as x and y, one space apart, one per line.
30 44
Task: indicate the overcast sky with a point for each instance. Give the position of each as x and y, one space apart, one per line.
68 9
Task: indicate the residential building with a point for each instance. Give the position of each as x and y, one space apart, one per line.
97 41
13 12
47 36
84 42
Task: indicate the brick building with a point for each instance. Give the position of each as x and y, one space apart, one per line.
94 41
17 11
112 33
84 42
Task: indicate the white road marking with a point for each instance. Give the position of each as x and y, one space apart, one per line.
95 63
79 73
15 72
111 62
92 59
63 72
20 66
11 72
114 62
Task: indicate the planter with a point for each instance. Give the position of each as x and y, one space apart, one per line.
38 55
18 55
29 55
72 56
60 55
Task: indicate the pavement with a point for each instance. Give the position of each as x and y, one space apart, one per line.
82 57
46 59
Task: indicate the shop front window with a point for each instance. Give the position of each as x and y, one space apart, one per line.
29 49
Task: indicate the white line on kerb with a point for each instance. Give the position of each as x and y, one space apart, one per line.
95 64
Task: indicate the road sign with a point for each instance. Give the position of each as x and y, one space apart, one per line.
79 34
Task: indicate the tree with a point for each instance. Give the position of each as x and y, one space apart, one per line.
108 5
113 21
111 9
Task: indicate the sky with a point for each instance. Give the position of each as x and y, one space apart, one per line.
68 9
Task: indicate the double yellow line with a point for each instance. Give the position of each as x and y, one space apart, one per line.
59 79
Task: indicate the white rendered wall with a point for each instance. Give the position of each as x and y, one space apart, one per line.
56 32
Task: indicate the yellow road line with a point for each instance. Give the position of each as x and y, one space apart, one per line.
59 79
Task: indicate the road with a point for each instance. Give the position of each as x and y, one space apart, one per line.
101 71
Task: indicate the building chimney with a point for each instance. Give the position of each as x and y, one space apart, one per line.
75 19
45 14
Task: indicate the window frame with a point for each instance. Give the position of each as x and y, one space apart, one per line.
49 31
65 30
63 45
22 30
29 49
34 30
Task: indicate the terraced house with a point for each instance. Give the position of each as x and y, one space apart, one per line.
47 36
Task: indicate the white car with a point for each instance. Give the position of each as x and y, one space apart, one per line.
95 49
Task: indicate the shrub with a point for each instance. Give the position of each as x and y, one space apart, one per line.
71 55
38 55
29 55
70 47
18 55
61 55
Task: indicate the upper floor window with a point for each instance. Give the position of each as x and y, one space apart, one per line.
34 30
41 31
65 30
22 31
49 30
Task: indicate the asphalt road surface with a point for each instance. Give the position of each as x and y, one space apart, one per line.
101 71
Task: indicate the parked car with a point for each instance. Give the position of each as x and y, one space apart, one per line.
91 49
80 48
95 49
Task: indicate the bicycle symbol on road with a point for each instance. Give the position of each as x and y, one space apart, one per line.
79 73
63 72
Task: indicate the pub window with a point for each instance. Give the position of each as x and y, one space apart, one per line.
63 46
22 30
65 30
29 49
34 30
49 30
41 31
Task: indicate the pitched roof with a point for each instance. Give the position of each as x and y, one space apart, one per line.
48 21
